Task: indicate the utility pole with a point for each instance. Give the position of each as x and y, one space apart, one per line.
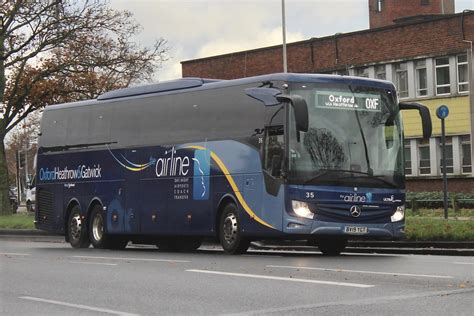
285 66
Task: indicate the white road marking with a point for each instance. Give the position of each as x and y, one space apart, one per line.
132 259
367 272
312 309
98 263
256 276
90 308
261 256
463 262
13 254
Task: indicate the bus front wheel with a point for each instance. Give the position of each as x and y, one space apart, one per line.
331 246
99 238
77 230
230 231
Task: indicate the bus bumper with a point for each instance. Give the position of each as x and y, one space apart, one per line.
314 228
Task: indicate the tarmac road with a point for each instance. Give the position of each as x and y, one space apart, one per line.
44 278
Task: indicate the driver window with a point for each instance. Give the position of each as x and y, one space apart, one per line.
274 150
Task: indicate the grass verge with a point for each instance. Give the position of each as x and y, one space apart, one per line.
418 227
462 213
439 229
17 221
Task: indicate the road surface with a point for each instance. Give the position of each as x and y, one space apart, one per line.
51 278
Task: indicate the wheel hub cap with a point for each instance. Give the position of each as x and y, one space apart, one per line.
76 226
97 228
230 228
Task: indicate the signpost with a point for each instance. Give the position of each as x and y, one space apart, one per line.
442 112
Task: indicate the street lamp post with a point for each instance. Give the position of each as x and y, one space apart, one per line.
285 66
442 113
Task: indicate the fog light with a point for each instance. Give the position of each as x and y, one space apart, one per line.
302 209
399 214
294 225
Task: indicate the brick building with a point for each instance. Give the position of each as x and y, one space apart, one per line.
422 46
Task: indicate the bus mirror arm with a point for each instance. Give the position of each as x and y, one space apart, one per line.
265 95
424 113
300 109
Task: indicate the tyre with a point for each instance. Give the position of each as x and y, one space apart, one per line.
230 231
98 237
331 246
14 206
77 229
29 206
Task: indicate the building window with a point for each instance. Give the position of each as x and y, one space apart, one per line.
421 80
342 72
424 154
380 72
361 72
466 164
449 155
407 158
425 2
443 83
379 5
401 79
463 73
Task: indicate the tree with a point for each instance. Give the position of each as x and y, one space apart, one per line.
325 150
54 51
22 139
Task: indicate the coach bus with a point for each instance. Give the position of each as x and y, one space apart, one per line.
280 156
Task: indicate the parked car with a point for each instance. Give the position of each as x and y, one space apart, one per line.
13 201
31 196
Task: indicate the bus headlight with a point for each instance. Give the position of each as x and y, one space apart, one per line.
302 209
399 214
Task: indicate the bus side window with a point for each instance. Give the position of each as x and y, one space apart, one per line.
274 150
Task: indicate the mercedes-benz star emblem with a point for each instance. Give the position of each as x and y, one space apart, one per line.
355 211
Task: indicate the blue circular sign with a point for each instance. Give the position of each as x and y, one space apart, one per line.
442 112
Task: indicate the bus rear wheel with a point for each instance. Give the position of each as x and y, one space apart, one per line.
98 237
77 230
331 246
230 231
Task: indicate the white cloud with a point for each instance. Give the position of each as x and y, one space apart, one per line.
202 28
250 41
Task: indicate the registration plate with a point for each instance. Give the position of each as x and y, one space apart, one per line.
356 230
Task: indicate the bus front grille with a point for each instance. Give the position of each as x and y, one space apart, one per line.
45 208
341 213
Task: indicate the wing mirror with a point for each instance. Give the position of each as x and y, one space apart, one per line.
424 113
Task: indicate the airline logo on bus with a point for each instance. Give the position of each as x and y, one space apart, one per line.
172 165
354 197
81 172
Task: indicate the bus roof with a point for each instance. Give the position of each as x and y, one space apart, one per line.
195 84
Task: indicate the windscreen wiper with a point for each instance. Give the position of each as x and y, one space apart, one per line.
366 151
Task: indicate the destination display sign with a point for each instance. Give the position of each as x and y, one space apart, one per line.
348 101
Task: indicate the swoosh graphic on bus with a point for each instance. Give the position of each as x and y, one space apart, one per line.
132 166
232 183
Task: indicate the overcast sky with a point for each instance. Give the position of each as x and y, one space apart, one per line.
202 28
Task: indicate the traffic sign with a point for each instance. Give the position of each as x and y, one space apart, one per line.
442 112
